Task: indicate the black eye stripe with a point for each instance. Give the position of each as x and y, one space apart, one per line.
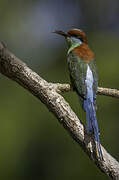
75 35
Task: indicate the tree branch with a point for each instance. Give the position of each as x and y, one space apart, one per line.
48 93
101 91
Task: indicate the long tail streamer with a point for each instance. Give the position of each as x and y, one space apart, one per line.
92 125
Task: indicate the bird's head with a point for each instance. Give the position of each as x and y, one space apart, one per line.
74 37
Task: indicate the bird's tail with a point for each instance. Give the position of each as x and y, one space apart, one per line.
92 125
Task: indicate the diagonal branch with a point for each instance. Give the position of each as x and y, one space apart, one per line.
48 93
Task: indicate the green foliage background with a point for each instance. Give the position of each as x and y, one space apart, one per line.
33 145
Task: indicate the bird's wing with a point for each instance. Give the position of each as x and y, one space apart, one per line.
77 69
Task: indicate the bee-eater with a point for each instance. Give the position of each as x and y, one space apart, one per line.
83 76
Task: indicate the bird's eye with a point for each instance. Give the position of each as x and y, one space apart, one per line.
78 37
75 35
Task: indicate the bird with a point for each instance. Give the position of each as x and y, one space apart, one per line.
84 78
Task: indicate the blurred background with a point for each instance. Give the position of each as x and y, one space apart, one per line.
33 145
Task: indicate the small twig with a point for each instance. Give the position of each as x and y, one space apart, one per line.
101 91
108 92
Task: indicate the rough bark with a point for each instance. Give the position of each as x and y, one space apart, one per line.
49 94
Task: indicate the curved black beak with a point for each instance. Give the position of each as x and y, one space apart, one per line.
60 33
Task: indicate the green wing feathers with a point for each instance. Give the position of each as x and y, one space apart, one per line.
78 69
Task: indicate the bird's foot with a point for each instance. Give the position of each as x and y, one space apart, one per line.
99 151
